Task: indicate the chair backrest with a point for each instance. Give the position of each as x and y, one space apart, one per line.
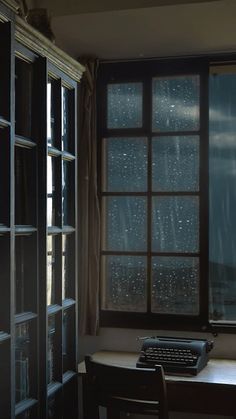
123 389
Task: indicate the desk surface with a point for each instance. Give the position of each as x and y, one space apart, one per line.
217 371
212 391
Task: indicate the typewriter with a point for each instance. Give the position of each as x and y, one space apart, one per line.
176 355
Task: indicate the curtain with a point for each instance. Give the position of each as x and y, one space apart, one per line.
89 217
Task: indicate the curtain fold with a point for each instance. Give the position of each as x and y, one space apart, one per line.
89 217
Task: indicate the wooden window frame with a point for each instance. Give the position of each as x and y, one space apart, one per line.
144 71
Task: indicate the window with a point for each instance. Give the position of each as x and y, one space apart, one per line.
168 158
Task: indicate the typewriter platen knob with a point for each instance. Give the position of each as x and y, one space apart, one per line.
210 345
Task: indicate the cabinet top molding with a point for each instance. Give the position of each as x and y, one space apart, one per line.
11 4
37 42
28 36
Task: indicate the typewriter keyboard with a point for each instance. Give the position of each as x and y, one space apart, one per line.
174 356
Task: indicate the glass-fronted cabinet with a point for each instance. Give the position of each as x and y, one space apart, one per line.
38 234
61 235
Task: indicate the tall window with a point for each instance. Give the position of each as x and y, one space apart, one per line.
155 155
222 196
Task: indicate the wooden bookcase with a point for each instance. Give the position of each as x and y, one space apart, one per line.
38 223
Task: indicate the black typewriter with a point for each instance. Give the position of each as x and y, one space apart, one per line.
176 355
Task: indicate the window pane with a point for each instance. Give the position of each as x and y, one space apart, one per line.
175 224
29 414
68 340
51 349
24 98
125 288
67 197
175 163
4 177
51 270
222 188
65 119
55 404
125 164
25 274
51 168
124 105
5 294
126 223
68 255
175 103
51 111
175 285
25 184
23 366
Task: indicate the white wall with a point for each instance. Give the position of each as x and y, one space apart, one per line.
126 340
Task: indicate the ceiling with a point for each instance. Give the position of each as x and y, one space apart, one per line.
129 29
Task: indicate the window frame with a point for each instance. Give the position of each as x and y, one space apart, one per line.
144 71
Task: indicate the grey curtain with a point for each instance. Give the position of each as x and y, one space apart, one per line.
89 218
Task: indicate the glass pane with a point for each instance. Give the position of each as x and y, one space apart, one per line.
68 277
25 274
22 354
4 177
175 285
51 270
51 111
175 163
5 283
70 399
67 197
176 103
126 283
29 414
175 224
66 128
25 186
5 379
125 164
51 349
126 223
51 182
125 105
222 204
24 98
68 340
55 406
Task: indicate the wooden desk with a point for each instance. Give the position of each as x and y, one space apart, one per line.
212 391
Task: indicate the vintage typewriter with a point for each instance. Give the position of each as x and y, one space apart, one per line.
176 355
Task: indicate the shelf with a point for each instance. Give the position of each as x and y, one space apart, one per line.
67 156
25 317
4 336
4 229
68 229
24 142
24 230
54 230
53 387
4 123
53 309
68 375
53 152
25 405
68 302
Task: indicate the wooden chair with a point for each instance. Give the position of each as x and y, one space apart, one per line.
122 389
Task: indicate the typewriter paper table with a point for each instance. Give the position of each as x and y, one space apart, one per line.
212 391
